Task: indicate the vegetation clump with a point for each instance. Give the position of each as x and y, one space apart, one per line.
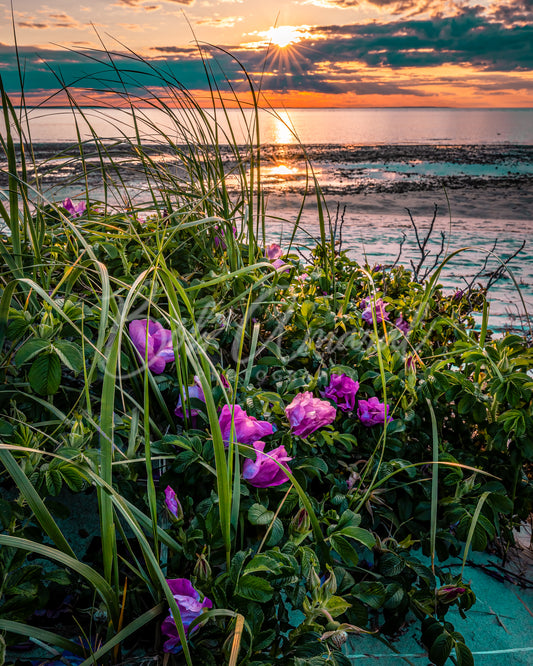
279 452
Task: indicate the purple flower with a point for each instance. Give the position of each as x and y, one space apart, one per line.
372 412
264 472
224 381
173 504
190 606
273 252
195 392
74 210
160 350
342 390
458 295
247 429
306 414
219 236
279 263
377 309
402 325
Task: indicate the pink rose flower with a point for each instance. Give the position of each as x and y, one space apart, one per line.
172 503
74 210
307 413
195 392
372 412
377 310
402 325
273 252
190 606
342 390
247 429
160 349
264 472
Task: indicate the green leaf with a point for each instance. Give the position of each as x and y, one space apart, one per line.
359 534
371 593
336 606
276 533
441 649
463 654
391 564
307 309
30 349
260 515
45 374
345 549
254 588
70 354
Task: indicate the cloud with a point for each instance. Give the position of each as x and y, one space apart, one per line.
139 5
219 22
52 21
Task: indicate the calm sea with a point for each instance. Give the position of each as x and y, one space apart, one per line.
372 126
477 164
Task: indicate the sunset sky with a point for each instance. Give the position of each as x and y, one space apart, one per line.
322 52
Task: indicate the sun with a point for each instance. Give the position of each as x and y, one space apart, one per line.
284 35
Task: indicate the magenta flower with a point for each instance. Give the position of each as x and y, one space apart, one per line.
160 350
279 263
376 309
220 237
273 252
372 412
74 210
190 606
173 504
307 413
224 381
264 472
247 429
402 325
342 390
195 392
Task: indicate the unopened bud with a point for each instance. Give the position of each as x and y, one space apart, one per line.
449 593
173 504
202 570
330 584
301 523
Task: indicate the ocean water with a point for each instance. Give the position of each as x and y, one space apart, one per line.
361 127
476 165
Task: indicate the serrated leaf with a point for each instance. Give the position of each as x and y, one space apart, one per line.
254 588
70 354
45 374
391 564
30 349
276 533
260 515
